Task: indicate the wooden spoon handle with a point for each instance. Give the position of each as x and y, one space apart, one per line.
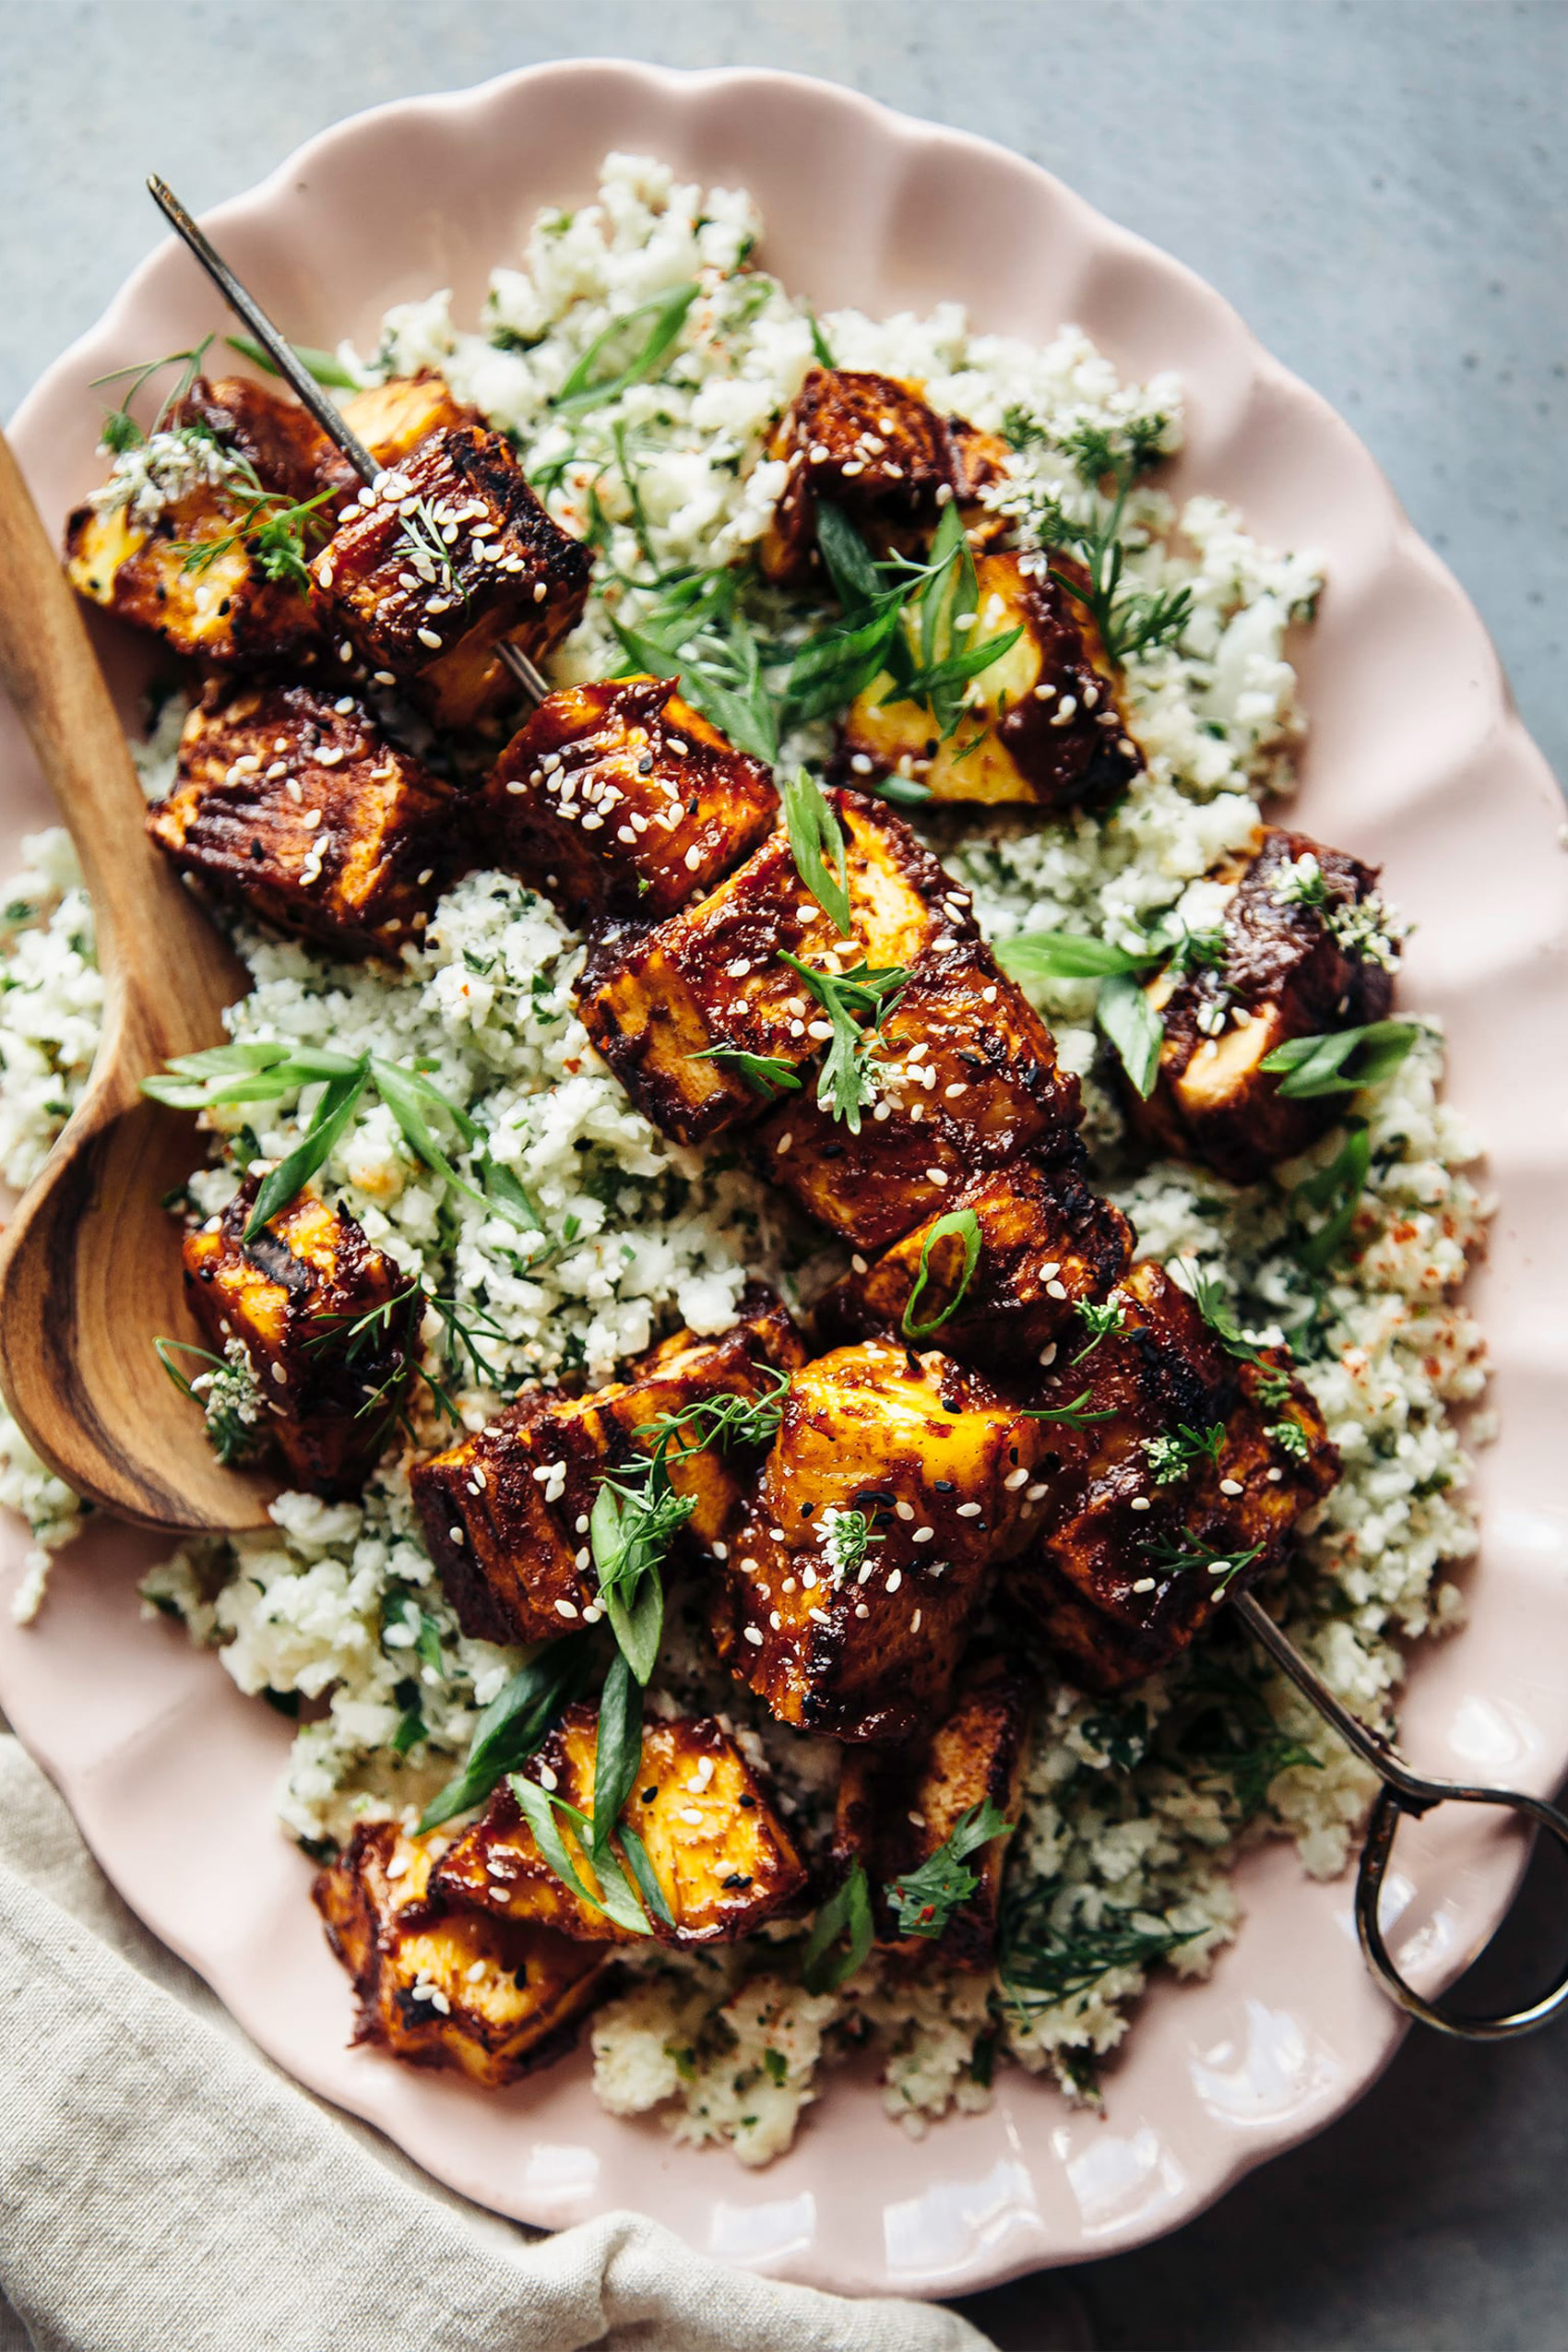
164 964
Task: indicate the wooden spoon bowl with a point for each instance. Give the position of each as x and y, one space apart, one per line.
90 1265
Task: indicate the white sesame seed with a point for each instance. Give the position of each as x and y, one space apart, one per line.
1143 1585
896 1577
921 1535
969 1511
581 1559
754 1636
455 1535
279 1375
540 591
860 1609
547 1776
1015 1479
1141 1502
774 1620
904 1510
1231 1485
428 637
784 1143
1036 1494
915 1622
1056 1289
565 1608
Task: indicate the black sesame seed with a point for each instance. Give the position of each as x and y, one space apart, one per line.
648 1795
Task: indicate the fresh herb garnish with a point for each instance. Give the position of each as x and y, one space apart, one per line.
961 1225
1122 1007
269 525
326 366
1130 620
513 1724
1176 1452
844 1919
121 432
817 841
1100 1321
634 1520
1128 1019
1042 1963
729 1421
847 1538
1291 1438
821 348
1343 1061
1068 955
1190 1555
1212 1304
613 1892
766 1073
924 1900
228 1396
847 1081
1337 1189
1223 1724
1075 1414
694 629
583 389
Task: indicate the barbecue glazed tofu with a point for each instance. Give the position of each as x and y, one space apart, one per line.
1200 1459
723 1860
620 798
1043 1242
897 1805
285 799
1306 951
967 1078
325 1320
452 554
872 446
391 419
506 1513
440 1987
709 978
895 1482
1045 723
172 542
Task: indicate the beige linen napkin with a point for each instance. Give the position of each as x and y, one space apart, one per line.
163 2189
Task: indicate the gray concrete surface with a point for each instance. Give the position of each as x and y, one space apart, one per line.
1380 187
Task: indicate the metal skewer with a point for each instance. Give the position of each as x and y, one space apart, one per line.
301 382
1405 1792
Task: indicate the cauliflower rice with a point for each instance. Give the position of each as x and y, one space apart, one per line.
1135 1809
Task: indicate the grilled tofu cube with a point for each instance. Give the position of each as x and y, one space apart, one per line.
967 1078
440 1987
427 612
1150 1519
391 419
1046 723
620 798
325 1320
897 1806
306 811
872 446
657 1001
1044 1242
1306 951
723 1860
506 1513
895 1482
169 543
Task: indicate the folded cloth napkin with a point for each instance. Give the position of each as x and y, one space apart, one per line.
164 2189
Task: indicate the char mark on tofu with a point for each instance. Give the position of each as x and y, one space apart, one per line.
897 1806
1045 722
1186 1487
325 1321
1306 951
965 1079
506 1513
710 981
391 419
437 1986
872 446
620 799
1007 1289
895 1483
306 812
723 1860
428 578
182 554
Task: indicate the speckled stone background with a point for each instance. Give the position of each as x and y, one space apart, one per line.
1380 187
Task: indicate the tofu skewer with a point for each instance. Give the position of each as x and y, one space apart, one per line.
281 351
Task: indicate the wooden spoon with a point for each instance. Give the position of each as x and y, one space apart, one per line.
89 1268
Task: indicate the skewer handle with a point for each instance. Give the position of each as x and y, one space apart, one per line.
1403 1793
301 382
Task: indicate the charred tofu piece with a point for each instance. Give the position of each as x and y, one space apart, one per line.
175 543
391 419
872 446
723 1860
506 1513
1184 1488
1046 723
438 1987
895 1482
1043 1243
967 1078
1306 950
325 1321
427 612
620 798
897 1806
709 979
306 811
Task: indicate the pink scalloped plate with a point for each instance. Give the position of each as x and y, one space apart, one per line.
1416 760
